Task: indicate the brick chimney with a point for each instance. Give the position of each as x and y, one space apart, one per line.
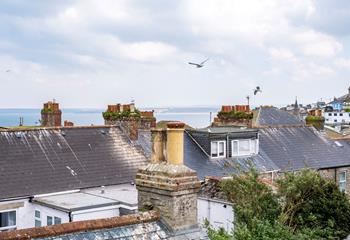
51 114
167 185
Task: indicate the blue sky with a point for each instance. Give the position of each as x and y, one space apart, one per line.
89 53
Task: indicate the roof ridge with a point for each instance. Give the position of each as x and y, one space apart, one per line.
80 226
55 128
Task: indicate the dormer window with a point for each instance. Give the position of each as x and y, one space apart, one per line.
218 149
244 147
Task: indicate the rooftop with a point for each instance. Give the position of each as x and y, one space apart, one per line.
46 160
273 117
224 130
125 194
145 225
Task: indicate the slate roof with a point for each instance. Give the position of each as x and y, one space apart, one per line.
41 161
271 116
196 159
293 148
345 98
280 149
144 225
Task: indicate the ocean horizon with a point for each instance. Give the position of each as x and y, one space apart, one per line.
194 116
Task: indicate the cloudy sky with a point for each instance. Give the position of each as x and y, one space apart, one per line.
88 53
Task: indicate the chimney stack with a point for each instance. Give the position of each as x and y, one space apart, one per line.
51 114
167 185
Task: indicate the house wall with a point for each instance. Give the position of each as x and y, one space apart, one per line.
106 212
333 174
331 119
219 214
47 211
25 212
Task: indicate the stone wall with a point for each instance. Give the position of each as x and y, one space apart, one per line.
333 174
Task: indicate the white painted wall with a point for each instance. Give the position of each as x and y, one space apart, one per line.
47 211
337 117
218 213
97 213
25 216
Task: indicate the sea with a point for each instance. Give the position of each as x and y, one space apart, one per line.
196 117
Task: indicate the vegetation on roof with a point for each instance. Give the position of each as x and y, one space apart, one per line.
315 121
112 116
235 115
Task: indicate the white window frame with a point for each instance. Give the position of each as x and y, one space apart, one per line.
12 227
37 218
53 220
251 152
217 143
342 181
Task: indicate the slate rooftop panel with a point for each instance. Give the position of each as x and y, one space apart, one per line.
271 116
42 161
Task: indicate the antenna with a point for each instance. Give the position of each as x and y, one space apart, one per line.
210 118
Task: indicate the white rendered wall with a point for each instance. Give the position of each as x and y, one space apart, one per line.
97 213
330 118
47 211
219 214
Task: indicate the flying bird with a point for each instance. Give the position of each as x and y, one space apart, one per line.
256 90
8 70
199 65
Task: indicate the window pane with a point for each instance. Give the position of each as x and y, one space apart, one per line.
221 149
234 148
37 213
342 186
57 220
244 147
342 176
253 143
214 149
8 219
37 223
49 220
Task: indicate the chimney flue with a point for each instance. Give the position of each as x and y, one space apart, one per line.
175 143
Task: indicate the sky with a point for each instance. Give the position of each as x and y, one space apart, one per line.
90 53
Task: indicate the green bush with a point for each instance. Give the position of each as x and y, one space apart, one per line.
314 119
112 116
235 115
306 206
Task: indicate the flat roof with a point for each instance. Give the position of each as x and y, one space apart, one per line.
225 129
125 194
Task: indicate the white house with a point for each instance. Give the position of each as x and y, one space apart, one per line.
337 118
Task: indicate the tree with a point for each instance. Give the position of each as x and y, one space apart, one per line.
310 201
306 206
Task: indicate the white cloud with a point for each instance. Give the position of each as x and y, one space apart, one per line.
318 44
135 47
282 54
342 63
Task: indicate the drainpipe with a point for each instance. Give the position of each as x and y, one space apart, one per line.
335 175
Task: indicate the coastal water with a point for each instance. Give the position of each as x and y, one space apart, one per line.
193 116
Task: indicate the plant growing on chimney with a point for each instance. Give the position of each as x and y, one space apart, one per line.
236 115
46 110
113 116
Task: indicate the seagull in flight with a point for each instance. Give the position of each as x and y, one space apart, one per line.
256 90
199 65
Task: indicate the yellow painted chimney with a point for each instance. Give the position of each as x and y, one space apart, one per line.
175 143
